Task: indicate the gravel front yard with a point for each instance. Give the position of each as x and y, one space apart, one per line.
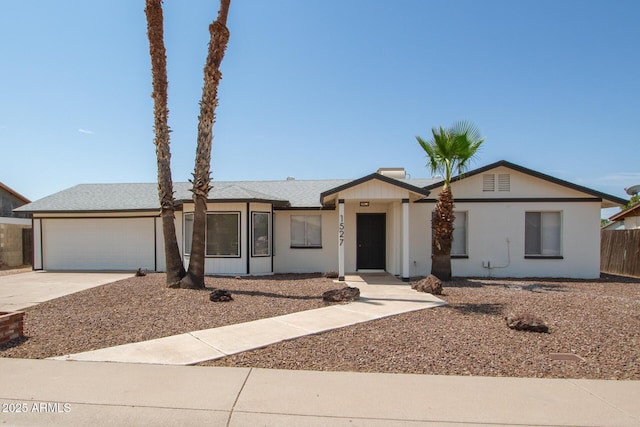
597 320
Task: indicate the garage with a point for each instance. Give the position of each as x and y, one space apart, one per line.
98 243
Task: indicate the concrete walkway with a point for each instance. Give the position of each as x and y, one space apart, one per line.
19 291
381 295
57 393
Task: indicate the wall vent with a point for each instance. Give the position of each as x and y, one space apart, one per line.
489 182
504 182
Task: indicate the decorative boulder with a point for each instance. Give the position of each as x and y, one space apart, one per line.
431 285
331 274
141 273
526 322
343 295
220 295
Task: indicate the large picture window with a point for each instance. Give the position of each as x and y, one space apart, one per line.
260 234
306 231
223 234
543 231
459 244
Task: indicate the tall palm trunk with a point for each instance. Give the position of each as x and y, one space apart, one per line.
202 175
173 261
442 226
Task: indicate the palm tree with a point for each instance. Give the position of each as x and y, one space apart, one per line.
449 150
174 266
202 175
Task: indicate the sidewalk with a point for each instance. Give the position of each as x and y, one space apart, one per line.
56 393
381 295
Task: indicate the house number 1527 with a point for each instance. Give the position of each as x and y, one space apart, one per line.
341 230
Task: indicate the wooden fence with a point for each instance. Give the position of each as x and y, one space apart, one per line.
620 252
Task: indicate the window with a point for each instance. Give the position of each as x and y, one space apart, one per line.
223 234
260 233
459 244
306 231
542 236
188 232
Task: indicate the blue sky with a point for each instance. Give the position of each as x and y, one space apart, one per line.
321 89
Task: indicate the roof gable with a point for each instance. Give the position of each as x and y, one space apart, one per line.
328 197
13 192
526 183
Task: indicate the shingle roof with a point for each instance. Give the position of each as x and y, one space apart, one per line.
144 196
99 198
289 193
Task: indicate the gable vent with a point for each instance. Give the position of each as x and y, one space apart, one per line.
488 182
504 182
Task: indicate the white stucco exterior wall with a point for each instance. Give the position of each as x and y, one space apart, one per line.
306 260
496 234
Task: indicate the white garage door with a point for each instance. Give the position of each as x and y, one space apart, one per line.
98 244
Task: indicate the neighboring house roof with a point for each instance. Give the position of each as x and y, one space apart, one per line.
607 199
632 211
13 192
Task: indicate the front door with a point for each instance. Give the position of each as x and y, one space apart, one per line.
371 236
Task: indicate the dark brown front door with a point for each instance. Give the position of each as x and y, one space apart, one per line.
371 237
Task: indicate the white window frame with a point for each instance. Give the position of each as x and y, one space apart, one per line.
544 252
466 235
307 244
254 252
188 232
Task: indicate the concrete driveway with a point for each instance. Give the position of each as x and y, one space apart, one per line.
19 291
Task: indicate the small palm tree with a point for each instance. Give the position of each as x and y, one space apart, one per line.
450 150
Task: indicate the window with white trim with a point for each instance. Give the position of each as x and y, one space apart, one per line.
260 234
306 231
188 232
223 234
459 243
543 234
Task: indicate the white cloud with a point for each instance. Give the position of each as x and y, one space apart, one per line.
88 132
630 177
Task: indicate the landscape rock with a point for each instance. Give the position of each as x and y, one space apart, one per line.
331 275
220 295
526 322
430 284
343 295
